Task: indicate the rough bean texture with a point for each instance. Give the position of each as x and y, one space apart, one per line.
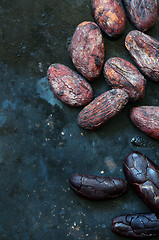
110 16
145 52
102 108
143 176
136 225
120 73
68 86
97 187
143 14
87 50
146 118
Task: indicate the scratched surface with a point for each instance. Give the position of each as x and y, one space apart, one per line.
41 144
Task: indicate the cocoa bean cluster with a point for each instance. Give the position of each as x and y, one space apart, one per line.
87 52
143 176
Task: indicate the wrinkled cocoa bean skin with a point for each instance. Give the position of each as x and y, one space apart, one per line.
68 86
87 50
143 14
145 52
120 73
110 16
102 108
146 118
94 187
143 176
137 226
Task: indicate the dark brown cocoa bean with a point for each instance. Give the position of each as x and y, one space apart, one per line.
110 16
68 86
97 187
146 118
145 52
143 176
102 108
120 73
87 50
137 226
143 14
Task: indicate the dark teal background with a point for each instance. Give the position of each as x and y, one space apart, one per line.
41 144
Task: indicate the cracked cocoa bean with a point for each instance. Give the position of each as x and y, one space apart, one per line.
136 225
120 73
102 108
110 16
143 14
68 86
94 187
87 50
146 118
145 52
143 176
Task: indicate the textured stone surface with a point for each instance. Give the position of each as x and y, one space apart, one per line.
40 142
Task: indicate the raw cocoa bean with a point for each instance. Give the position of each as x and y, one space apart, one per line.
143 14
97 187
146 118
87 50
145 52
102 109
143 176
68 86
120 73
110 16
137 226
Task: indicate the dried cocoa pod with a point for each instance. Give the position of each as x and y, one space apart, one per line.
145 52
143 176
110 16
146 118
102 108
68 86
94 187
87 50
137 226
143 14
120 73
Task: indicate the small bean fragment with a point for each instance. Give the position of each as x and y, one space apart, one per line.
136 225
94 187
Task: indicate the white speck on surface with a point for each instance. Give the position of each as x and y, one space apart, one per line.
103 226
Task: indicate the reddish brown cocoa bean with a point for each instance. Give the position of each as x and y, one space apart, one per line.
110 16
68 86
145 52
102 108
143 14
146 118
87 50
122 74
